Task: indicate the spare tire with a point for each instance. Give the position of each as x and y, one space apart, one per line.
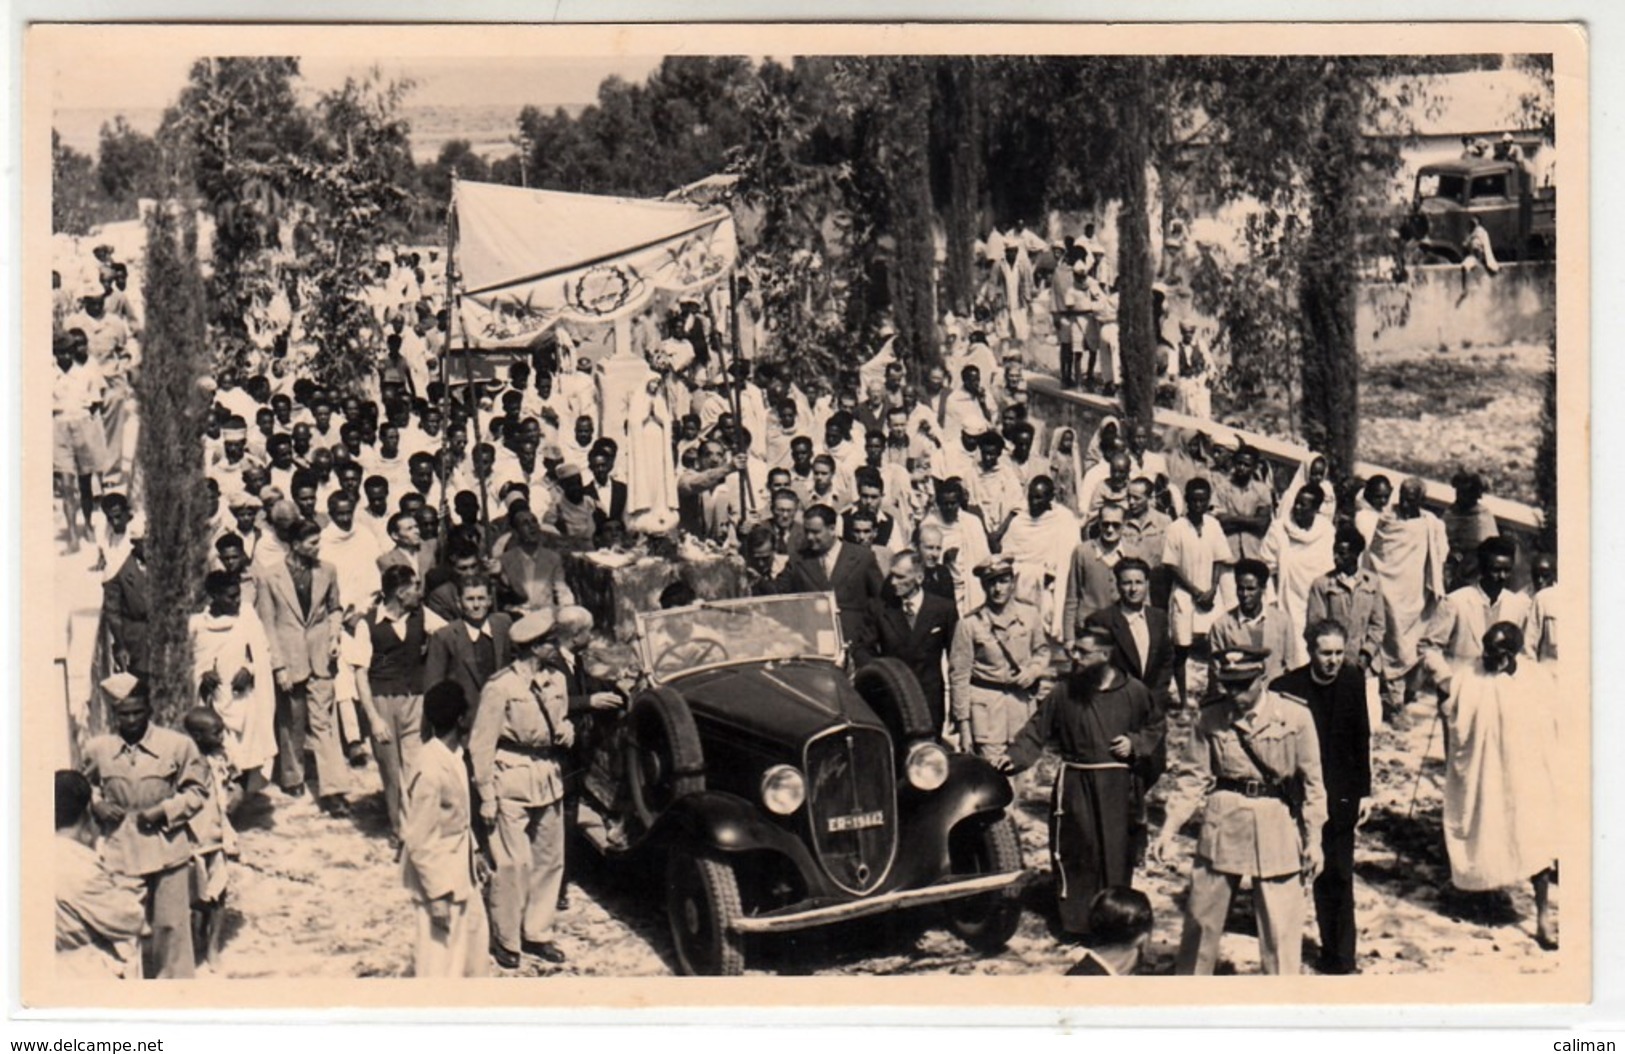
893 692
664 759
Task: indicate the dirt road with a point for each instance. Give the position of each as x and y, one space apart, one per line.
315 896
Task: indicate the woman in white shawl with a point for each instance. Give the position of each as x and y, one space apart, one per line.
1066 467
231 664
1107 440
1500 793
1311 473
651 476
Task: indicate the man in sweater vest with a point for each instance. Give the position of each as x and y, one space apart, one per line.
387 652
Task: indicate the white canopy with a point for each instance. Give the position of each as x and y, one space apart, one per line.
528 259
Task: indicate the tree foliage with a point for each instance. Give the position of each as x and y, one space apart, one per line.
169 451
72 188
237 122
357 179
128 164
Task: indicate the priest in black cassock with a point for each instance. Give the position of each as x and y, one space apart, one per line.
1109 735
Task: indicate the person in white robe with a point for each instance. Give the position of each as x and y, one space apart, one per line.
1066 467
1407 553
1041 539
1502 821
1297 549
231 665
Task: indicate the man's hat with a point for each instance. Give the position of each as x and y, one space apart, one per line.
551 452
123 685
532 627
573 618
241 499
1240 665
234 427
568 470
995 568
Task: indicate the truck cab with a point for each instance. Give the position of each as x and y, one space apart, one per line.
1519 217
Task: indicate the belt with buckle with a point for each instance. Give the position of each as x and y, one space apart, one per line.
1250 788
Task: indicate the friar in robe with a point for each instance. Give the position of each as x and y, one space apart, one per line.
1110 737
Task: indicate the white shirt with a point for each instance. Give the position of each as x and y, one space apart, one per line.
1141 632
830 557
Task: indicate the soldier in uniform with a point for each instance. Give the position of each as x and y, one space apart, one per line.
518 746
1256 758
999 655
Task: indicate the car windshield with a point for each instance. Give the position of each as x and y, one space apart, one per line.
723 632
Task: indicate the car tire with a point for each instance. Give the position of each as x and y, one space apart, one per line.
988 921
894 694
664 760
702 902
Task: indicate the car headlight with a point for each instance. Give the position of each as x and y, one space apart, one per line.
783 789
927 766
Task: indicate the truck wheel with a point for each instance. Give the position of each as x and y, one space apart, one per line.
664 760
893 692
986 922
702 902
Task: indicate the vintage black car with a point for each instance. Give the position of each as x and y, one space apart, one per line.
785 794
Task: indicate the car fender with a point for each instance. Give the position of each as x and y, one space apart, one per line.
727 823
973 786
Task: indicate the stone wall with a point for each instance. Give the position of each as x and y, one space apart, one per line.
1443 305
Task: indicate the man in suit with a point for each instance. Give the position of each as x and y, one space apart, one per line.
1334 692
827 564
442 871
788 536
126 602
297 601
1139 631
914 626
607 492
473 646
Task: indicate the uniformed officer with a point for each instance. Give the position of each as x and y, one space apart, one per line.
1256 759
999 655
519 744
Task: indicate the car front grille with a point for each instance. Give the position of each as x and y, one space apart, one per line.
852 806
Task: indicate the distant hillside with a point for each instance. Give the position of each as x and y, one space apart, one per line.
487 127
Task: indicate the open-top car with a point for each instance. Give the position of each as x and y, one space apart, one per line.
786 794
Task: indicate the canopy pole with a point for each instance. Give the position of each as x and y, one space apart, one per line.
445 357
733 394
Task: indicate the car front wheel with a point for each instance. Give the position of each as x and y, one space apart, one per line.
988 921
702 902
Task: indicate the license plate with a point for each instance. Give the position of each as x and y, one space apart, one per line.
857 821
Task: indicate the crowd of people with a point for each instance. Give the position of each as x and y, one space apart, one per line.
387 586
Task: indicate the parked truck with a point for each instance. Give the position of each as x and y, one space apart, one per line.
1520 217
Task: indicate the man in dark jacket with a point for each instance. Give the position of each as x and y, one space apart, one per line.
913 626
1141 646
126 602
1334 692
828 564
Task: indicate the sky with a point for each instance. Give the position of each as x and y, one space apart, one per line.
151 81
